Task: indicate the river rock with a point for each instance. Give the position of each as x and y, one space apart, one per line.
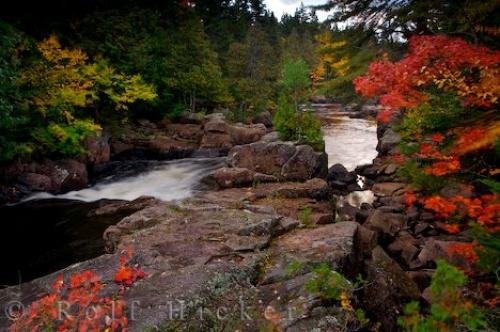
273 136
267 158
315 188
387 289
72 173
331 243
305 164
390 139
405 246
386 188
190 132
264 118
247 134
385 223
98 151
435 249
36 182
233 177
281 159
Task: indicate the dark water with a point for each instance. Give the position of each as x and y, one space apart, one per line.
46 233
39 237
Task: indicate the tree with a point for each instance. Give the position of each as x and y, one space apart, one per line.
252 70
296 80
406 17
192 67
331 62
11 119
60 89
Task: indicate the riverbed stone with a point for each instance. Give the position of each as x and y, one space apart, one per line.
385 223
387 289
386 188
305 164
36 182
389 141
267 158
315 188
281 159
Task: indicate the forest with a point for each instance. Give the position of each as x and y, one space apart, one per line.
95 88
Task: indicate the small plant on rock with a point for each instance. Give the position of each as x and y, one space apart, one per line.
449 311
328 284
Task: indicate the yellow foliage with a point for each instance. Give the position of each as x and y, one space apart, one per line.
330 63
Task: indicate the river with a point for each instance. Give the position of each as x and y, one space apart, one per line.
48 232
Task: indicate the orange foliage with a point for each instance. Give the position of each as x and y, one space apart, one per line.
437 138
464 250
439 61
441 206
78 306
475 139
127 275
450 228
410 198
441 168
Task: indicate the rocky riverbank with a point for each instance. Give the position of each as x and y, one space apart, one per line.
242 255
209 136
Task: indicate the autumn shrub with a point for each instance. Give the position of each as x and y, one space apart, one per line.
448 311
67 140
415 175
76 303
439 63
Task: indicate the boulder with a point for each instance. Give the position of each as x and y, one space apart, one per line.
435 249
390 139
216 140
270 137
385 223
332 243
36 182
386 188
247 134
233 177
98 151
281 159
264 118
315 188
305 164
267 158
405 246
216 126
339 173
190 132
387 289
72 173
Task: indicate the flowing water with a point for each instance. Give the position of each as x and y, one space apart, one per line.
46 232
350 142
169 180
